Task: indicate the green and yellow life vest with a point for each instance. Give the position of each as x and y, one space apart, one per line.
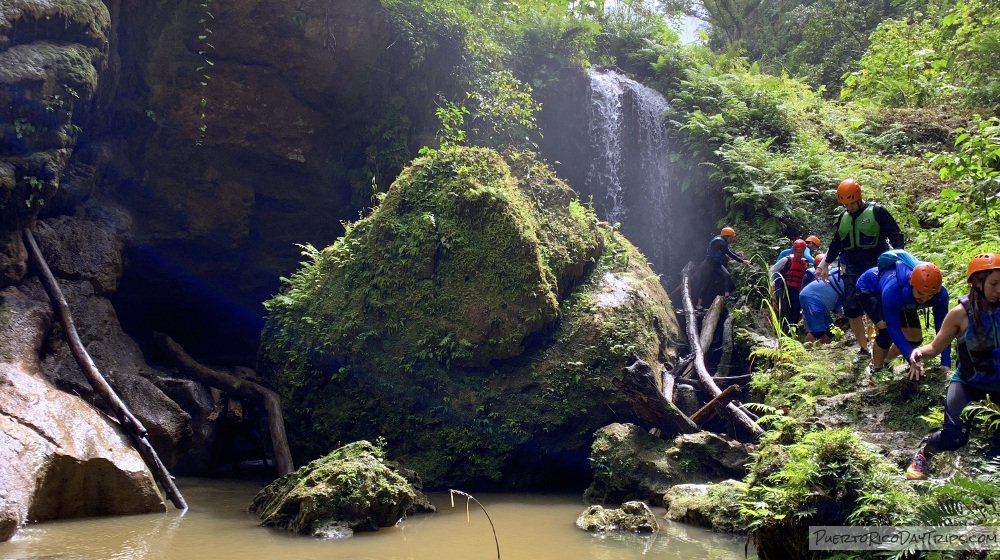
861 232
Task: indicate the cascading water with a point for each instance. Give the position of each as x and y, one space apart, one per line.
629 172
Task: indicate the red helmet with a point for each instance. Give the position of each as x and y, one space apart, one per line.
818 259
798 245
728 231
848 191
982 261
926 277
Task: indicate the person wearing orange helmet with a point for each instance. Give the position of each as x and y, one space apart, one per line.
975 324
713 274
862 232
892 296
792 271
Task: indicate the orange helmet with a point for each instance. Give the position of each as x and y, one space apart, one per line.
728 231
848 191
813 239
798 245
818 259
926 277
982 261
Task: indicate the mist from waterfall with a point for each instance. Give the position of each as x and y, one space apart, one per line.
629 171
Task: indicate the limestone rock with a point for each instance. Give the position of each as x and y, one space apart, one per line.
13 259
350 489
121 362
712 506
496 369
87 248
59 457
629 463
631 517
50 76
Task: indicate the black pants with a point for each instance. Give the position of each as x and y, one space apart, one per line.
789 307
954 433
712 279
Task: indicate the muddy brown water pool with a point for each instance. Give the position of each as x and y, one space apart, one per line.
528 526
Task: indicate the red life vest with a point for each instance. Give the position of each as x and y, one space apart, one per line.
793 272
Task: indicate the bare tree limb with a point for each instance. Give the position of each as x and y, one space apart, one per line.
240 388
131 424
699 358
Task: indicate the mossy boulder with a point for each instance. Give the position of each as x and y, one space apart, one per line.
632 517
712 506
829 477
52 56
632 464
350 489
474 320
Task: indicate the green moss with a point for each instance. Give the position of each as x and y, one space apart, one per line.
831 477
350 487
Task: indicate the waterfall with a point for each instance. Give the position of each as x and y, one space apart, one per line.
629 172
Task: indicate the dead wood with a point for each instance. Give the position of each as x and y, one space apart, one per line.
638 383
710 321
131 424
738 414
668 384
713 406
727 348
240 388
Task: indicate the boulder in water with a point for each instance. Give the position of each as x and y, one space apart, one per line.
351 489
632 464
631 517
476 320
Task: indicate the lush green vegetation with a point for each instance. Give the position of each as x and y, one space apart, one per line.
777 106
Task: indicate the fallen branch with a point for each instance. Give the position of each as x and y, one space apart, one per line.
131 424
668 384
727 348
712 407
468 520
699 357
710 321
238 387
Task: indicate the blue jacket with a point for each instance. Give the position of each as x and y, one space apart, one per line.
897 296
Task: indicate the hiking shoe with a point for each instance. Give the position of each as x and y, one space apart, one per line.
863 356
917 467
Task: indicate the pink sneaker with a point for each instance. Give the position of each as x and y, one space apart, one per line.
917 467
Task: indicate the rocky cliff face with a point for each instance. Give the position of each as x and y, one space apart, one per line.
231 131
59 456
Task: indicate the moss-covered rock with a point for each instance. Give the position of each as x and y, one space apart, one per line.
52 55
632 517
712 506
351 489
830 477
632 464
475 320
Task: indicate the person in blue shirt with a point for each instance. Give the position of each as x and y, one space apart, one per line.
819 301
975 326
900 293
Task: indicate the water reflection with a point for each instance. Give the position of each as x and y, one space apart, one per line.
217 526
